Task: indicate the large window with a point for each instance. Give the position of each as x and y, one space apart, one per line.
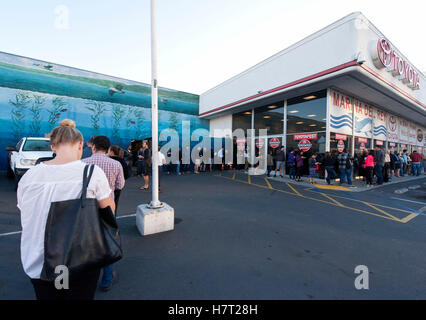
270 117
242 120
307 113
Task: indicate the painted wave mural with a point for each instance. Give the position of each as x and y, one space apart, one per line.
36 96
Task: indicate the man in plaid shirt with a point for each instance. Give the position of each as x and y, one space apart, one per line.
114 173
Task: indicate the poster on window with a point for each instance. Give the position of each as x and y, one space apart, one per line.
393 128
340 113
363 119
420 137
412 133
403 130
380 130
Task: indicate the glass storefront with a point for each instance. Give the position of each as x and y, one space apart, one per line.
338 142
307 113
362 144
270 117
242 120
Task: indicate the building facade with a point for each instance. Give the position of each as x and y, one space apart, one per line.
36 95
345 86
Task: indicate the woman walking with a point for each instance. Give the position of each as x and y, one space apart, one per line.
299 165
57 180
330 165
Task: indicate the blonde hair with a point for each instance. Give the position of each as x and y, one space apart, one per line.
66 133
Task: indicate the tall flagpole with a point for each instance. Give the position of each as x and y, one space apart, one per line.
155 203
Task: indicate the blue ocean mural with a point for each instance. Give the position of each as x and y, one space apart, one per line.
35 96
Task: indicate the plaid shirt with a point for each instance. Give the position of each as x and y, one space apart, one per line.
112 168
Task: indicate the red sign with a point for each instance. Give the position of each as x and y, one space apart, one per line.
304 145
341 137
379 142
392 144
363 140
274 142
340 145
386 56
362 146
241 141
310 136
260 143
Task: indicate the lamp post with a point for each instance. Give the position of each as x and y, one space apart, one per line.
157 216
155 203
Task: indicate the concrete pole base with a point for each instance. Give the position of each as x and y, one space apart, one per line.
151 221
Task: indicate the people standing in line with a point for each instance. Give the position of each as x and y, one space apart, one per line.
396 163
404 168
58 179
221 156
291 161
379 165
299 165
270 164
128 158
204 153
246 159
424 164
416 159
87 151
330 164
387 167
115 175
312 163
114 153
345 167
144 163
369 167
169 166
280 161
362 171
186 166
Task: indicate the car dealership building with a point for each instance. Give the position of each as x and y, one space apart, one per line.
346 85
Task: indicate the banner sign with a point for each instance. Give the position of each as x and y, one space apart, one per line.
363 140
310 136
340 113
363 119
380 130
412 133
393 128
403 130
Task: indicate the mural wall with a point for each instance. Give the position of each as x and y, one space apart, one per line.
35 96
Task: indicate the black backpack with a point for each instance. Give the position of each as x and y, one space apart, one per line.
348 163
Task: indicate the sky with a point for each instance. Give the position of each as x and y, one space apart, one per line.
201 43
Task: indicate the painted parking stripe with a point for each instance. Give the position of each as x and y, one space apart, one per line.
18 232
334 200
418 212
269 184
381 211
295 191
406 200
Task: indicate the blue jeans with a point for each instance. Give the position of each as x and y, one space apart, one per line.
378 170
331 173
346 174
107 275
416 168
292 172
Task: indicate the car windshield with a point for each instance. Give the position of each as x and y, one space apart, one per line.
37 145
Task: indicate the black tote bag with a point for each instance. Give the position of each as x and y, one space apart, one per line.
80 235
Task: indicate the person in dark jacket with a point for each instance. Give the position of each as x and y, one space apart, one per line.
380 163
114 153
280 161
330 163
291 161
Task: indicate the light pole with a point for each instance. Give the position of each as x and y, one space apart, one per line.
155 203
157 216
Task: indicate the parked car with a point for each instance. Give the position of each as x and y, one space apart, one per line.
25 155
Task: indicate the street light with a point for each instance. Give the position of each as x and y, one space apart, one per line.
157 216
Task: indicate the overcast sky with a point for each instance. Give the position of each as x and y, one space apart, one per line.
201 43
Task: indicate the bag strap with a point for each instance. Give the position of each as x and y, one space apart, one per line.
86 181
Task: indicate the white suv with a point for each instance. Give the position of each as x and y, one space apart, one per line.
25 155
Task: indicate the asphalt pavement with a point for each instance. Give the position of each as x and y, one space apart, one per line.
241 237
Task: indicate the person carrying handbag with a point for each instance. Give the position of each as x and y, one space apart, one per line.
52 187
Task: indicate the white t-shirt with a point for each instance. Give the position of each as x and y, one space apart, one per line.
161 158
38 188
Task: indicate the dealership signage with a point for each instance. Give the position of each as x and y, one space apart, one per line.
274 143
310 136
304 145
386 56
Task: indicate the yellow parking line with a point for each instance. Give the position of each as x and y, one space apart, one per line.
268 183
249 179
233 177
408 218
323 201
380 210
295 191
335 201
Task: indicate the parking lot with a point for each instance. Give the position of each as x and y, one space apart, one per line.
247 237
